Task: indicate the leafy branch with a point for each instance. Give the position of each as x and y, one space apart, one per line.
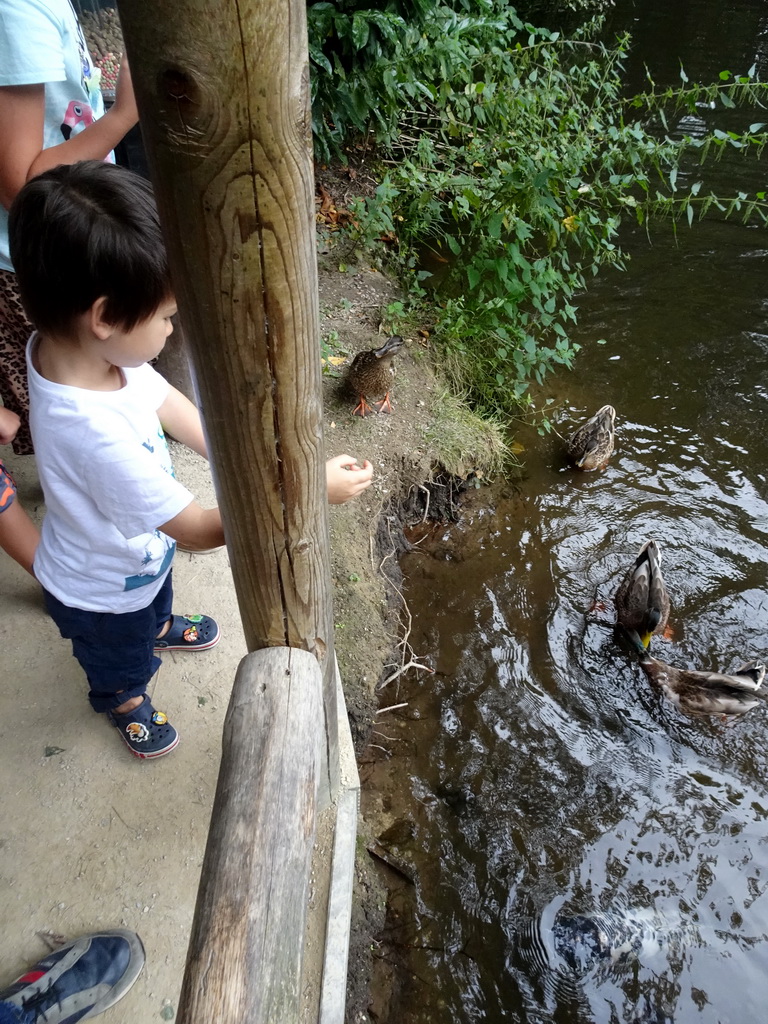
510 155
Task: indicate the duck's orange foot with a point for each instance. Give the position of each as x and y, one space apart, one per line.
384 405
362 407
668 633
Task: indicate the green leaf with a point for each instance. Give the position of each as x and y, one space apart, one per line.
321 60
494 224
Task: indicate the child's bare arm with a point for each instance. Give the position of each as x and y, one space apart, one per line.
181 419
196 528
9 425
19 536
22 118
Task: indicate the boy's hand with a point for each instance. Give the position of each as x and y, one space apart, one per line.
346 479
9 425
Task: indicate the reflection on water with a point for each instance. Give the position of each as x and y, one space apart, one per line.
536 775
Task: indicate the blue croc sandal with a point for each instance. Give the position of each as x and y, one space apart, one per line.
189 633
146 732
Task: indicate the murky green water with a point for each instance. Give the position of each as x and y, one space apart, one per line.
536 772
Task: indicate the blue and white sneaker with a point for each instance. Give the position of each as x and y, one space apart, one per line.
77 981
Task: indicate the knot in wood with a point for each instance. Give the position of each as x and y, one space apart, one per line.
191 109
179 86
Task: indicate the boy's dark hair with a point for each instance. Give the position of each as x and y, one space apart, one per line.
84 230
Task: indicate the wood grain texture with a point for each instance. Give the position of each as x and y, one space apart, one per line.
244 958
223 93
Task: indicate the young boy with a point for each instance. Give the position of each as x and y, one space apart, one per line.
94 279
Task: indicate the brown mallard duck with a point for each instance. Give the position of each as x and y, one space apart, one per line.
642 601
702 693
370 376
591 445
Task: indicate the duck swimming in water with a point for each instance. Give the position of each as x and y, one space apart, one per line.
591 446
642 601
700 693
370 376
614 938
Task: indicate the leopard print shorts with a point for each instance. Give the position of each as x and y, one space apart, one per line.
15 330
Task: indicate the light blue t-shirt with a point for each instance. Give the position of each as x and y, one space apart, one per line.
41 42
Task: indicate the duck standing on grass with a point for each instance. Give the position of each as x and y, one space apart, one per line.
591 445
702 693
370 376
642 601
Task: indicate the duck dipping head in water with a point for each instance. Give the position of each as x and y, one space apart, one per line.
612 938
699 693
591 445
642 601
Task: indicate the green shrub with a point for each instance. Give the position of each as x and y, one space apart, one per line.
513 157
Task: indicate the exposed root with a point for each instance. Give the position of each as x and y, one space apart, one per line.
392 707
408 659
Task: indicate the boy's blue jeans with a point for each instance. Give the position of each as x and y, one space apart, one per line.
116 651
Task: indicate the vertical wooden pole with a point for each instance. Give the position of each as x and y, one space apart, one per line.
223 94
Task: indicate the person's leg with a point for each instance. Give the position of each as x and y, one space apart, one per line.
117 655
77 981
114 650
15 330
182 632
162 606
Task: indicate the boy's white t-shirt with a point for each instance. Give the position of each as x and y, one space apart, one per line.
108 482
41 43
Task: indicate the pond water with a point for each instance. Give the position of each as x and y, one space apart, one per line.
536 773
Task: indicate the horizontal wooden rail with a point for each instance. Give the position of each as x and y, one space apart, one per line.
245 953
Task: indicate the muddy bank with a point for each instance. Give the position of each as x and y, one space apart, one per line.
409 450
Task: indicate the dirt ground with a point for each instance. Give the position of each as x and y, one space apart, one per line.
93 838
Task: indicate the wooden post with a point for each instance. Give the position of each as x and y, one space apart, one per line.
245 952
223 94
